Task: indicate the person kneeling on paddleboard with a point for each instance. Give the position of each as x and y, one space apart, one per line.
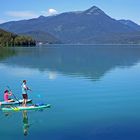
24 92
8 93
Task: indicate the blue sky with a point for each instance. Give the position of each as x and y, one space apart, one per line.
25 9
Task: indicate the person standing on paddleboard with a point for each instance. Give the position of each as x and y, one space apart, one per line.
24 92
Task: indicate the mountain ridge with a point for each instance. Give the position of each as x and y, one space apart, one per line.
130 23
79 27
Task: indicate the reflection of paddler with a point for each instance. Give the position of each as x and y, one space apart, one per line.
25 123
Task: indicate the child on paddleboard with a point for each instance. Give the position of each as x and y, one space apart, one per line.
7 93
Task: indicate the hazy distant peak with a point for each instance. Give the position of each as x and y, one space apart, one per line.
130 24
127 21
94 11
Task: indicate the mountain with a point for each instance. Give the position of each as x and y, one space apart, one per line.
91 26
41 36
130 24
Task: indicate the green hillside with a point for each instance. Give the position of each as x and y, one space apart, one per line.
9 39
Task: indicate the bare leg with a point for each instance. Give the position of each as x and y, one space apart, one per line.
25 102
11 100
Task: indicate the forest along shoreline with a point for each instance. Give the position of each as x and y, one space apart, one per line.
8 39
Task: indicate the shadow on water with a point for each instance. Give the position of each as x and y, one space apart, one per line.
91 62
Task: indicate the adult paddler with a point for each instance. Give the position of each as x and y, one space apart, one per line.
25 88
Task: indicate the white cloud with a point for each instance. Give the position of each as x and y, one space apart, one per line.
17 15
49 12
52 12
22 14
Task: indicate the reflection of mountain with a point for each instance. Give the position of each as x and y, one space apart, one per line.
6 52
87 61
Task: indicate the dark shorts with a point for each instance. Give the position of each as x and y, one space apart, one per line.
25 96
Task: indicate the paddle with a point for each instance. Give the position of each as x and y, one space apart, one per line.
14 108
13 94
29 89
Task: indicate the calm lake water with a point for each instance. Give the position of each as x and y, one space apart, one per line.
94 92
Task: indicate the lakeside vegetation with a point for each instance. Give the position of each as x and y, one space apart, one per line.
8 39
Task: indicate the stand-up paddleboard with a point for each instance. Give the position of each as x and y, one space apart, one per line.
20 108
14 102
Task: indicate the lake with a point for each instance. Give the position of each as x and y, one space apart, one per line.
94 92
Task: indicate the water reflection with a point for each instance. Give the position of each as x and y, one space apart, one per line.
26 124
88 61
6 52
25 121
112 103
